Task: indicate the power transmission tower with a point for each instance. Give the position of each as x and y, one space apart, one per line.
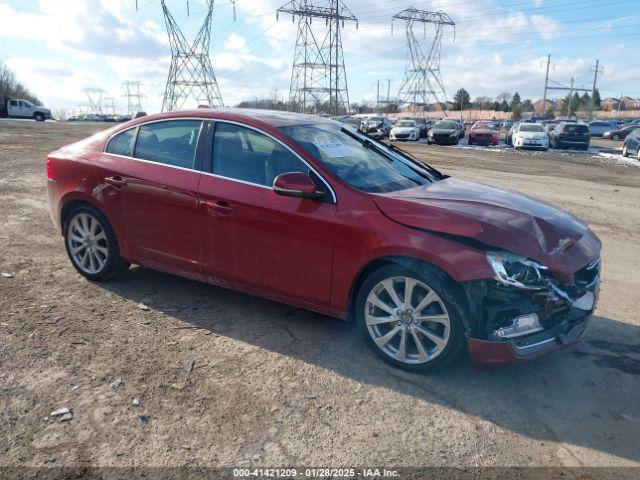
422 82
94 95
318 73
191 73
109 106
134 97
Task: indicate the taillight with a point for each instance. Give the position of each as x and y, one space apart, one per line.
49 169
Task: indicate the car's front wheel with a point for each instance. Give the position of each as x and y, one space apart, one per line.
625 152
408 319
91 244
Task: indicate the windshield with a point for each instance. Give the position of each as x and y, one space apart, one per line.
488 125
532 127
405 123
445 125
357 160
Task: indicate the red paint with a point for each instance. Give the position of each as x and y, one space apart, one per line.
300 251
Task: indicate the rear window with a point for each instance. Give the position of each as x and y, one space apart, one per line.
576 128
122 143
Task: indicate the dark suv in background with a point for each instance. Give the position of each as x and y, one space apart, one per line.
570 135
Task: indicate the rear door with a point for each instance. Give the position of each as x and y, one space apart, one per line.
254 236
152 185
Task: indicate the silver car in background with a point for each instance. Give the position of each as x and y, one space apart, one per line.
597 128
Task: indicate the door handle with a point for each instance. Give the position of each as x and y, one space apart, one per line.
116 181
219 208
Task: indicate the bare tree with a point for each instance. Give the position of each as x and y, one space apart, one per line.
504 97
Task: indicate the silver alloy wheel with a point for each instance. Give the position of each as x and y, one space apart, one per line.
407 320
87 243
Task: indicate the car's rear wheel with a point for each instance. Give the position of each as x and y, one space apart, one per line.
91 244
407 318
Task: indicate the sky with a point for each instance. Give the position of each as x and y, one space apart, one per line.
60 47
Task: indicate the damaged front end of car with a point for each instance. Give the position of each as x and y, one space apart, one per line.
525 311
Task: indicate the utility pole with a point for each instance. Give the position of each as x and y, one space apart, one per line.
570 97
318 73
378 96
546 84
595 70
388 89
422 80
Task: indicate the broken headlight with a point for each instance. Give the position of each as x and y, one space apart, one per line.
516 271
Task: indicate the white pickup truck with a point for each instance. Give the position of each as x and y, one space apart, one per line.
17 108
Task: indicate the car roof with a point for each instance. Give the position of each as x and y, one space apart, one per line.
273 118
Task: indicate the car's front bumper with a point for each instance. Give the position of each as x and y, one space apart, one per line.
563 311
486 354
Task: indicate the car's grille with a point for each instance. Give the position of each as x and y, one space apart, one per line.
401 135
441 137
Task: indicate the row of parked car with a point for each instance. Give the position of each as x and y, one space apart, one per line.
99 117
532 133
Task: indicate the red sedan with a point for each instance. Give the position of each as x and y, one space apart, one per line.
620 133
306 211
483 133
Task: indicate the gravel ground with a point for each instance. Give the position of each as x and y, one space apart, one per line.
223 378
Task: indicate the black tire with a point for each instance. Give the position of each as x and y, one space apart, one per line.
445 289
114 263
38 117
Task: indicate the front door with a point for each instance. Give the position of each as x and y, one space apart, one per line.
254 236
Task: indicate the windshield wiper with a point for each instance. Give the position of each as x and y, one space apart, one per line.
408 156
378 147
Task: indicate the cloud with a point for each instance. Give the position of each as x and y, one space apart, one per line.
91 27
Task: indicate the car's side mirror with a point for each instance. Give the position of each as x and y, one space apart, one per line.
296 184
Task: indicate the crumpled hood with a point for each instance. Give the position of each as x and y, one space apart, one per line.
497 218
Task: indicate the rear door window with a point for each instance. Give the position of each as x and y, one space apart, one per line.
171 142
122 143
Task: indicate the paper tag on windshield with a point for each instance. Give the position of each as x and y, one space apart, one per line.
334 148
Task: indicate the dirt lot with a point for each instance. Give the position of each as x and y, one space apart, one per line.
276 386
